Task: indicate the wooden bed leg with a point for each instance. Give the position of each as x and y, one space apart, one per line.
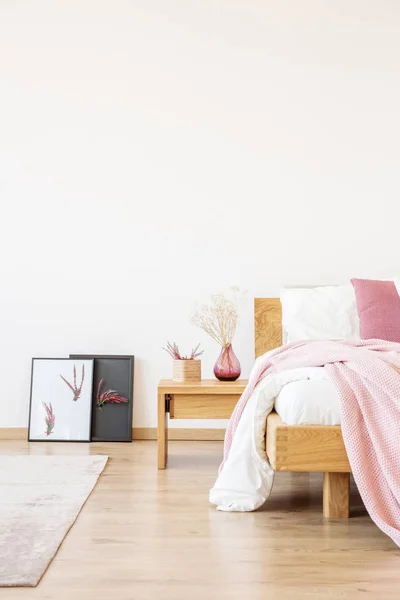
336 495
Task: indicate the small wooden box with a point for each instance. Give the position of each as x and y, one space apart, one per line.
187 370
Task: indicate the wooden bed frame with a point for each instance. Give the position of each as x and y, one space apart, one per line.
310 448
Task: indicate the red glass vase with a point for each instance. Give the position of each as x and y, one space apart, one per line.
227 367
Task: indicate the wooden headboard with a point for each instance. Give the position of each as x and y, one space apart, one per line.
267 324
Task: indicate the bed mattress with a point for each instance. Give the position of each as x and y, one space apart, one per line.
309 402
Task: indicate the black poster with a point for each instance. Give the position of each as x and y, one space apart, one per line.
112 398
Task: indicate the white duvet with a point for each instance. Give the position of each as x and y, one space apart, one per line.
245 482
309 402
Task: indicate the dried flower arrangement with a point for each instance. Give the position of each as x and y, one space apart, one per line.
76 389
50 418
173 351
185 368
108 397
218 319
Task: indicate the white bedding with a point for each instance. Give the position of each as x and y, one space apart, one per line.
328 312
309 402
246 480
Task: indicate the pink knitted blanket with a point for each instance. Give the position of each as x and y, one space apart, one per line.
365 376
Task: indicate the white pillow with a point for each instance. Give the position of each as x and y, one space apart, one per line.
328 312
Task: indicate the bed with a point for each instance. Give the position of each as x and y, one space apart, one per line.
302 448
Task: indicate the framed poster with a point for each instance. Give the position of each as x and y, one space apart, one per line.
61 400
112 402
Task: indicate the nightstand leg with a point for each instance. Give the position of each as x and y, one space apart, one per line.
162 433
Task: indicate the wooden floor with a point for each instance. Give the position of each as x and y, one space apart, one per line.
148 534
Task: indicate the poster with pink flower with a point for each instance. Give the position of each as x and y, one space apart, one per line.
61 400
112 400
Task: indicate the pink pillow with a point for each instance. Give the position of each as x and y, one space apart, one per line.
378 306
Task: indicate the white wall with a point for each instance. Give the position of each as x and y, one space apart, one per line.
153 151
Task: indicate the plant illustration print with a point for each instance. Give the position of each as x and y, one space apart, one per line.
77 390
108 397
49 419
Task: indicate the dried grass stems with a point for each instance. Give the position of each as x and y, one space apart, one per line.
218 319
173 351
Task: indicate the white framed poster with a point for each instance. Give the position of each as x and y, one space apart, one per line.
61 400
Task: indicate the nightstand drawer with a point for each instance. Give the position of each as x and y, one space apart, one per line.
205 399
208 406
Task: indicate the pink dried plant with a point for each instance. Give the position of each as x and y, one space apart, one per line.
50 418
76 389
173 351
108 397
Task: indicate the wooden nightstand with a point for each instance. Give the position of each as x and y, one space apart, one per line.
206 399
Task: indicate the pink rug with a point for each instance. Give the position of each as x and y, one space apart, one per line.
41 497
